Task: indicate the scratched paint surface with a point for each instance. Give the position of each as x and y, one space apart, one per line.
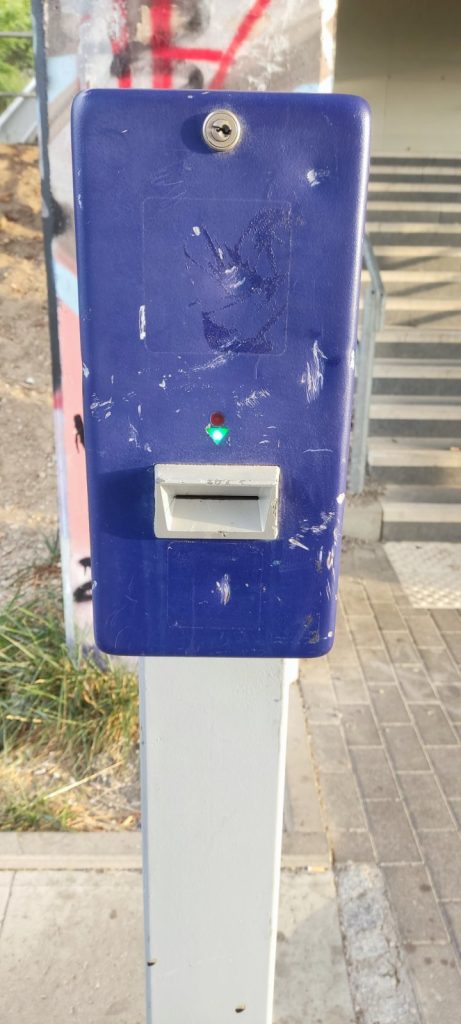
155 273
256 45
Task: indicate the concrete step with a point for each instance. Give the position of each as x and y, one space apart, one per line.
419 460
418 257
399 186
417 376
438 294
420 162
413 208
423 231
419 276
422 513
412 343
445 176
422 318
411 415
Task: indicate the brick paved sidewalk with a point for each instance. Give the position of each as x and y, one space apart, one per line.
384 715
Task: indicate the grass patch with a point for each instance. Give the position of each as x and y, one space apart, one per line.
46 698
35 813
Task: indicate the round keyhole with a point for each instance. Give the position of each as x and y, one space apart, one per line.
221 130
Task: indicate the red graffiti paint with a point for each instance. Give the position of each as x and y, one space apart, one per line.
160 14
243 31
188 53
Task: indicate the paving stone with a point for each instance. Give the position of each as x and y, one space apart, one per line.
388 616
405 749
339 792
373 773
414 682
452 912
376 666
343 653
450 697
349 686
448 620
330 751
314 670
379 591
440 666
418 915
359 726
305 849
353 597
453 642
391 832
401 648
364 631
388 705
426 805
442 853
351 845
437 981
446 762
456 810
423 630
432 724
319 700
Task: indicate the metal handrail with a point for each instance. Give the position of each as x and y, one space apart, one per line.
373 316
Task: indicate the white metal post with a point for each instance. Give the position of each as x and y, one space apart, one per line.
213 736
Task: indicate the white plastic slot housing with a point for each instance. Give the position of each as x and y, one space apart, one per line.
206 502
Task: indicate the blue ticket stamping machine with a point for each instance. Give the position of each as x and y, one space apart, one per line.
219 252
219 255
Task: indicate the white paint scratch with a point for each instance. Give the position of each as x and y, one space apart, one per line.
79 201
306 450
133 436
163 384
294 542
196 230
142 322
139 411
340 498
315 178
252 400
224 589
86 372
313 376
352 359
325 519
330 558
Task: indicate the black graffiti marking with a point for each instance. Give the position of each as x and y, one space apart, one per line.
79 431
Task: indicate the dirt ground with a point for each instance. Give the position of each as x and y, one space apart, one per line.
28 502
28 512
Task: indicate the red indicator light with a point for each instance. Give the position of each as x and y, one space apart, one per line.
217 419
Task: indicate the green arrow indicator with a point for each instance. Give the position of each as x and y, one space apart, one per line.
217 434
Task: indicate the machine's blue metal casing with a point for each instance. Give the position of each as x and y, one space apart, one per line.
218 281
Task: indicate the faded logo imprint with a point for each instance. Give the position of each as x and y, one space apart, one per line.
241 287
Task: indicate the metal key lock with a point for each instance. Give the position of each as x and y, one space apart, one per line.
221 130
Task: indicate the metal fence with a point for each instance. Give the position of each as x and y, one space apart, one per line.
372 321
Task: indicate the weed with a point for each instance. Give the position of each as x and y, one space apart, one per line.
34 812
81 707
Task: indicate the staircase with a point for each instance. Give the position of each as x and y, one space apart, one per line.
414 449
